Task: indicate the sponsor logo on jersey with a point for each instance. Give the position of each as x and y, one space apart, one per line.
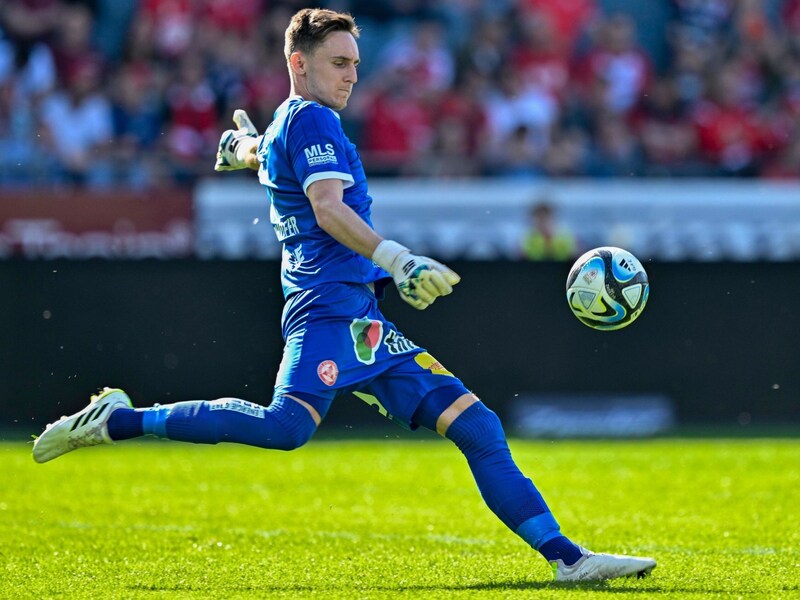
285 228
426 361
316 155
236 405
397 343
328 372
366 335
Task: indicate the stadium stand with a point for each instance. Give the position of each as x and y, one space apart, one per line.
100 95
133 92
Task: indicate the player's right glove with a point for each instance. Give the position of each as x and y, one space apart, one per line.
234 144
419 279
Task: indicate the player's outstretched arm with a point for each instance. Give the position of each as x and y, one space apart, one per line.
237 147
419 279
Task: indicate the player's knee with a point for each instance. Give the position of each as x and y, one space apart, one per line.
475 428
299 435
297 423
295 440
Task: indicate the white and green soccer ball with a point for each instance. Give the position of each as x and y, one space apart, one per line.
607 288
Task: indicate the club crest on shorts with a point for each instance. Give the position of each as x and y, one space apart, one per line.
366 335
328 372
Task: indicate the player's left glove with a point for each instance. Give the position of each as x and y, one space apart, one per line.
234 144
419 279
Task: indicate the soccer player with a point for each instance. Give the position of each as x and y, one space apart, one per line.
334 269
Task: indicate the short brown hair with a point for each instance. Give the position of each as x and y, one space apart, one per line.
310 26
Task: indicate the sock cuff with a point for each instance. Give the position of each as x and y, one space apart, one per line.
539 530
154 420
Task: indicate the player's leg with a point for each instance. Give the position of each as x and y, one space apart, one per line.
305 386
417 390
477 432
287 423
458 415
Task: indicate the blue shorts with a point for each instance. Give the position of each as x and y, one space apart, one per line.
337 342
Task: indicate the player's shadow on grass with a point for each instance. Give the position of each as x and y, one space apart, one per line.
602 586
642 586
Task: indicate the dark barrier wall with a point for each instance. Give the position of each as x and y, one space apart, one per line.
720 339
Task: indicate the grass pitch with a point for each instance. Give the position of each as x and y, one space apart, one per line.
384 519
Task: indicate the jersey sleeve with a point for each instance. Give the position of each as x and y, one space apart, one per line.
316 146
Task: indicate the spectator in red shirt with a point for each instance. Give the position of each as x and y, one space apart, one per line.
729 131
538 59
569 18
237 16
397 126
169 24
73 46
192 126
424 56
615 72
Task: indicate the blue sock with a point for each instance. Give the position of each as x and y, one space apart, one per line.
561 548
284 425
509 494
125 423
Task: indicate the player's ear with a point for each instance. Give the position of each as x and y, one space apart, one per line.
297 61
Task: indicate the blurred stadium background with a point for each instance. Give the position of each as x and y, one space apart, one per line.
504 136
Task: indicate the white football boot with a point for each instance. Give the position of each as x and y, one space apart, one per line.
598 567
89 427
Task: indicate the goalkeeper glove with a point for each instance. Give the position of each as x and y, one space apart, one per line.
235 144
419 279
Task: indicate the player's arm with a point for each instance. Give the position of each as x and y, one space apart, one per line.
419 279
339 220
237 147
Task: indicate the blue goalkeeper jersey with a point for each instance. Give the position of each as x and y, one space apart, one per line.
303 144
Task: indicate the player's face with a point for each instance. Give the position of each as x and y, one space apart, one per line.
331 70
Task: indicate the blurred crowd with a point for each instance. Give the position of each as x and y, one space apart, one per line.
136 92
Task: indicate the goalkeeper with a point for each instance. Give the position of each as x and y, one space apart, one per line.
334 269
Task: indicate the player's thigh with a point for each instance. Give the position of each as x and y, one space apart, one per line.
412 389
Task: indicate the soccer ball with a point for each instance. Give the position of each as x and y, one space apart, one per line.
607 288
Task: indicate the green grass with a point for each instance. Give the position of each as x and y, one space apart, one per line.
373 519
